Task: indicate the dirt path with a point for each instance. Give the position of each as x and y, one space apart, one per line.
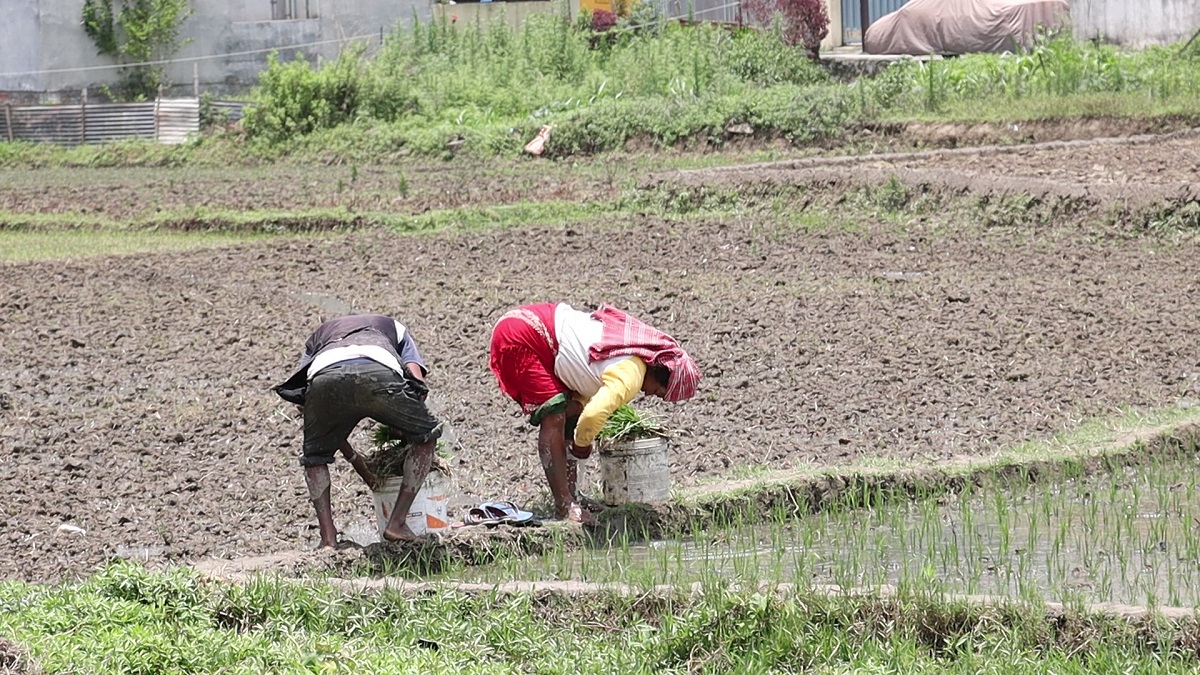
135 402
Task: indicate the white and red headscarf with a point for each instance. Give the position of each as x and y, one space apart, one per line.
624 335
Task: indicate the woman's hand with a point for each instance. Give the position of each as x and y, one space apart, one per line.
580 451
578 514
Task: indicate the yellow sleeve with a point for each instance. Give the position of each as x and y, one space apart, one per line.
619 383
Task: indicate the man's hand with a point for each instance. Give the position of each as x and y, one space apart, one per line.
360 466
580 451
415 370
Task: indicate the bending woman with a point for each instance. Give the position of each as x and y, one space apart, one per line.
569 370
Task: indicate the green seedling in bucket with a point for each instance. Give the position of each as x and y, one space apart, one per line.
428 512
633 458
626 424
389 450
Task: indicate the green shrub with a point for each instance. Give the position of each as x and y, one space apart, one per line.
441 89
295 99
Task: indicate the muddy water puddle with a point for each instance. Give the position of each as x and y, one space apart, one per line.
1131 537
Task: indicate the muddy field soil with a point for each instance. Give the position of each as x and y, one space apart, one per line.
146 192
1109 163
413 188
136 416
1171 160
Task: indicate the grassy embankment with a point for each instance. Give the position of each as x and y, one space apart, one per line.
437 90
125 619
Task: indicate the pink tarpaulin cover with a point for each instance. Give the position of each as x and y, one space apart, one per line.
963 26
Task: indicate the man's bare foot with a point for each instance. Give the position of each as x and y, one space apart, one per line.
326 544
402 533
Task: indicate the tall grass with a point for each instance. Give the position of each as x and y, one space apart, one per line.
439 89
1062 70
493 86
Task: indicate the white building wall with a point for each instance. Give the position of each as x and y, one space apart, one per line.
1136 23
43 47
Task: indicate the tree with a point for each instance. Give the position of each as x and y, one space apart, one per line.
137 32
804 22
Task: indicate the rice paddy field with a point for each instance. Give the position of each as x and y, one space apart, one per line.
1130 537
948 421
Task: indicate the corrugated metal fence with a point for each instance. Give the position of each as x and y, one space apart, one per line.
166 120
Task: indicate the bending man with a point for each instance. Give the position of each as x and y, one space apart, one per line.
353 367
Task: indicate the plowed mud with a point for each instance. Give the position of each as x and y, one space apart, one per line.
1141 168
135 402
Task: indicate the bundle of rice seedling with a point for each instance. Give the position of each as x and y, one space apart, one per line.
627 424
389 449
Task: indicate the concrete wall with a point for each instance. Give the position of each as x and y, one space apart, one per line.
834 39
20 45
46 35
1136 23
487 13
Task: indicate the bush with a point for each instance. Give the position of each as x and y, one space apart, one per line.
804 22
603 21
759 57
293 99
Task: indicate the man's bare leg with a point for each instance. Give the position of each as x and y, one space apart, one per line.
317 479
360 466
416 468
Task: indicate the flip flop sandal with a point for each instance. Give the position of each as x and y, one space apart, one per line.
507 512
480 516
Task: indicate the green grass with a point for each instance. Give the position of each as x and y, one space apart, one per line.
125 619
1097 437
59 236
16 246
1083 106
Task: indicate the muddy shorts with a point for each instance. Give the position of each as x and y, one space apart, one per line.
343 394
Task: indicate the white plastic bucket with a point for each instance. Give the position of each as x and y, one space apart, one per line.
636 471
428 512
